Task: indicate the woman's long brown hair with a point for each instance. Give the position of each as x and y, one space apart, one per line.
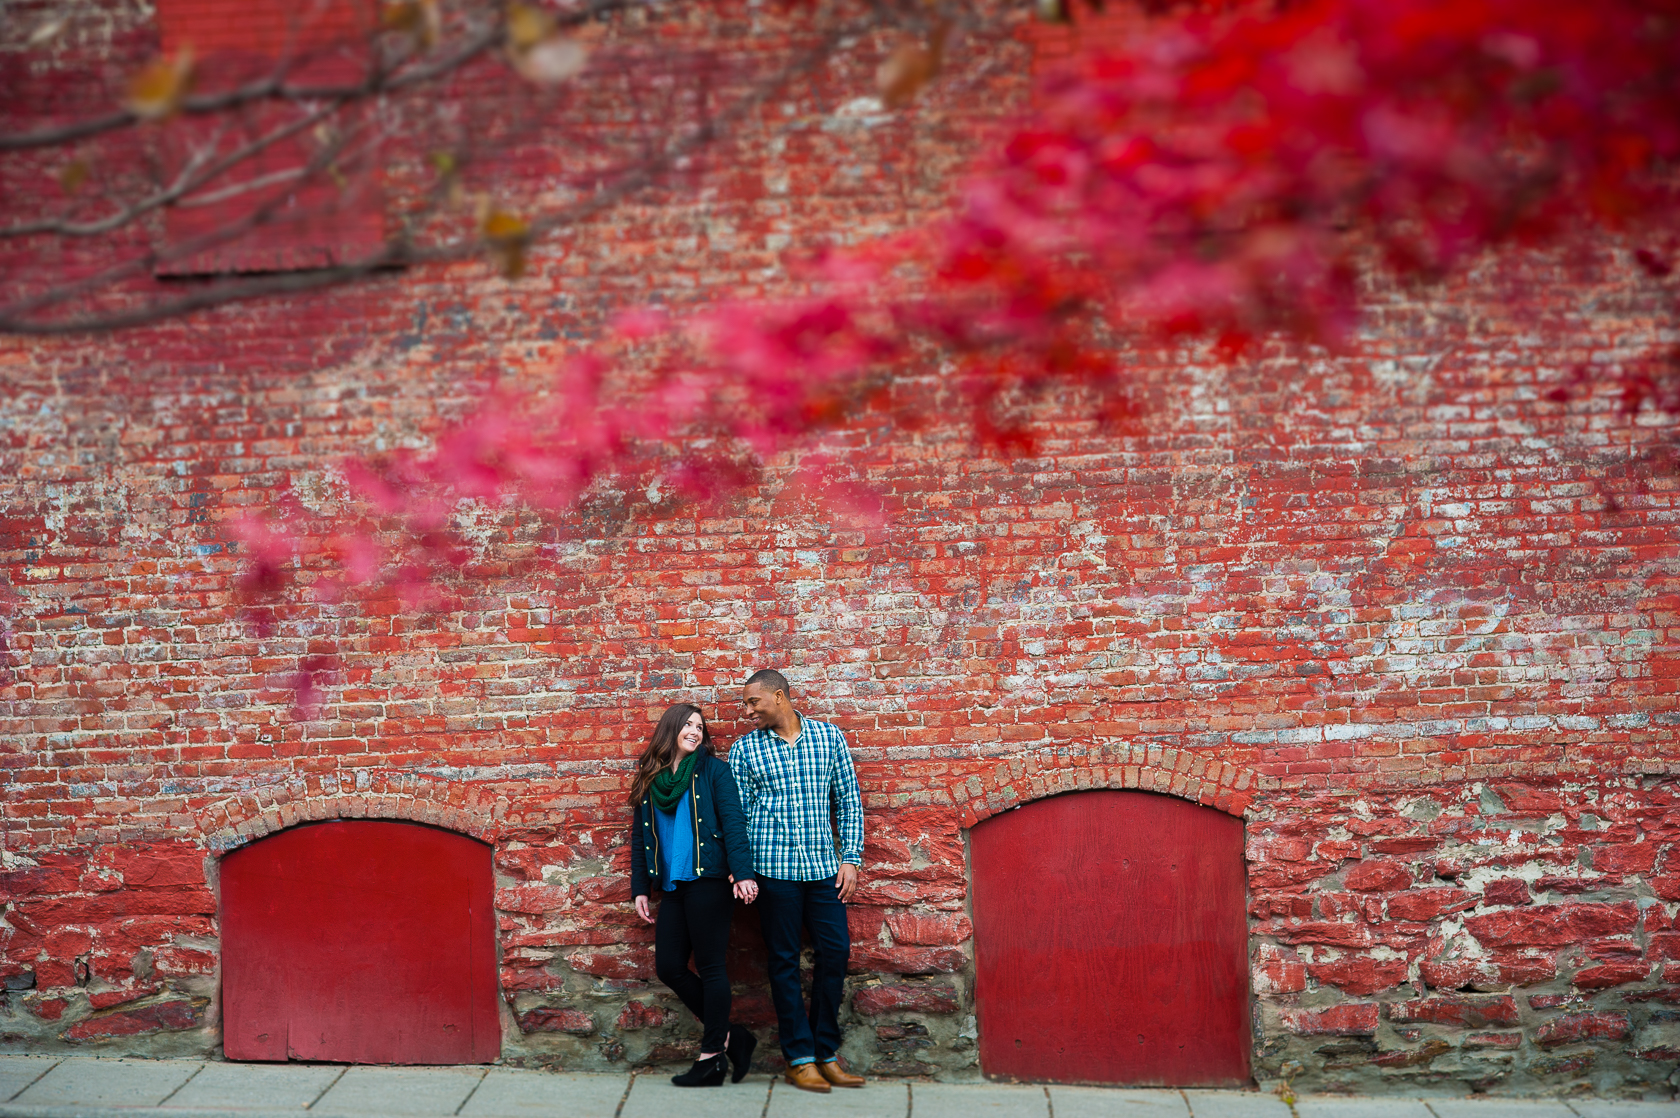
663 747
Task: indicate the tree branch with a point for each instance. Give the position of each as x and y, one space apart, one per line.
274 86
185 183
18 317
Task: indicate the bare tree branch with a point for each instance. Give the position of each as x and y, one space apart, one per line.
275 87
189 180
148 262
17 318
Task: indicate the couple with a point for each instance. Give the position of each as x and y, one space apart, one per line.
689 841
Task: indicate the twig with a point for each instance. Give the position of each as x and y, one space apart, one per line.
274 86
15 319
185 183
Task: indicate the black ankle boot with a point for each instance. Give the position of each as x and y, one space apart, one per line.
704 1073
740 1051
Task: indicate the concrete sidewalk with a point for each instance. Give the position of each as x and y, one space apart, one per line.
89 1087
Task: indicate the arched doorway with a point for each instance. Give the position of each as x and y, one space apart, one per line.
1111 942
359 941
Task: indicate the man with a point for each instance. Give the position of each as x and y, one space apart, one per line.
788 770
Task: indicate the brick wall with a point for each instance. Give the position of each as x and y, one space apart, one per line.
1409 618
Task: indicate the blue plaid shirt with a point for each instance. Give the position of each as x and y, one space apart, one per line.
786 790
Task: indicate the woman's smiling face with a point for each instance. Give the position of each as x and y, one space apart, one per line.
690 736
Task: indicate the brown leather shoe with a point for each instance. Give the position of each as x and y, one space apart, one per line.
807 1078
839 1076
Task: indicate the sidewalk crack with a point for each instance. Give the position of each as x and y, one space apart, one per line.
1191 1110
482 1077
32 1082
328 1087
181 1084
765 1113
625 1097
1049 1103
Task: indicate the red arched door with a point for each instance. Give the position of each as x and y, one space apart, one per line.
359 941
1111 942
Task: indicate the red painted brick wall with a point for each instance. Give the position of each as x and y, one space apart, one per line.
1414 622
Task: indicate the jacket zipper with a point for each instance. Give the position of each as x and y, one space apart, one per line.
694 817
648 804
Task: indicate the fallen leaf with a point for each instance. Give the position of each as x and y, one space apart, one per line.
422 19
507 235
910 67
72 175
552 60
527 26
48 30
1052 11
156 92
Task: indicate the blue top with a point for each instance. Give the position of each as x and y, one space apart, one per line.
724 848
676 842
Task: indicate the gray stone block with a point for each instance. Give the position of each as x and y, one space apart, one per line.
512 1092
1116 1102
1236 1104
254 1087
1606 1108
420 1091
1500 1108
1335 1106
90 1081
881 1098
18 1072
653 1096
980 1100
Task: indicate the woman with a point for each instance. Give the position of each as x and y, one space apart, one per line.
689 841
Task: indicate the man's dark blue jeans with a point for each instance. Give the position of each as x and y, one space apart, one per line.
784 907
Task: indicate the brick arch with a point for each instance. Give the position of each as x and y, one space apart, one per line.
1176 772
366 794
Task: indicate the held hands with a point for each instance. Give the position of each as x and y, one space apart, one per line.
846 881
747 891
642 908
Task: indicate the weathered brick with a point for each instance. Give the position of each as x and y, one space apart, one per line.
906 960
1340 1020
872 1001
1429 904
547 1019
129 1022
1606 975
1506 891
1577 1027
1278 970
1360 975
1462 1011
930 929
634 963
640 1015
1377 875
1552 925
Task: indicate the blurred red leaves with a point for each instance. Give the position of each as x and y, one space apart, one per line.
1229 173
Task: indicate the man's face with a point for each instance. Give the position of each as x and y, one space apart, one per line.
761 705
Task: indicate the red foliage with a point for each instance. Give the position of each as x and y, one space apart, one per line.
1226 173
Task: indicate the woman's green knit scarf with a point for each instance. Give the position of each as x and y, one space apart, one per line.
668 787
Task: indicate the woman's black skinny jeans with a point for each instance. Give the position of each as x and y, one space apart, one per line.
694 918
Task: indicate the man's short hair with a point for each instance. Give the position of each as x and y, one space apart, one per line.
771 680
